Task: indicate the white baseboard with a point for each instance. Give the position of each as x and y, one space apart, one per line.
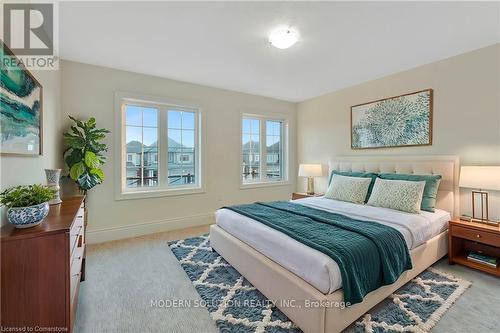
140 229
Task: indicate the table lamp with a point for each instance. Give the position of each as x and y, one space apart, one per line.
310 171
480 178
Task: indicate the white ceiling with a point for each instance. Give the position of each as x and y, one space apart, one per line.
225 45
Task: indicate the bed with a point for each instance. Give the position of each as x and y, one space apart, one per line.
307 284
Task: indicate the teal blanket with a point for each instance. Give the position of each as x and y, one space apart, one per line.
369 254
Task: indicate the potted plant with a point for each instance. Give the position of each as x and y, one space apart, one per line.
84 155
27 205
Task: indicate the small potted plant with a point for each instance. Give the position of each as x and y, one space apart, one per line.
27 205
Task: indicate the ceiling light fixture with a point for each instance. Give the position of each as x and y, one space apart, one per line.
283 38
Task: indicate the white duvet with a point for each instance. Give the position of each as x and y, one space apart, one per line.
313 266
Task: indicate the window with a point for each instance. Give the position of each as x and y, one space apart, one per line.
141 127
181 139
160 148
262 148
274 150
251 149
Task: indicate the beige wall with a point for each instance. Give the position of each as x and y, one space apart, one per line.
29 170
466 115
89 91
466 123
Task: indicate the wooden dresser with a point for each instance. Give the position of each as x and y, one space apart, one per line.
42 268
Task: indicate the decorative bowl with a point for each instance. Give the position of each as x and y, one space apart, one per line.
26 217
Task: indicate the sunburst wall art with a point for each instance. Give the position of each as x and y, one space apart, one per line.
399 121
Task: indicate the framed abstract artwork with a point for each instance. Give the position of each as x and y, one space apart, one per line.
399 121
20 109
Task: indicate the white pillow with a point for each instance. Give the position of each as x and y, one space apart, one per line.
351 189
400 195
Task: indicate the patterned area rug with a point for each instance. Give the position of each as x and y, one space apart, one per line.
237 307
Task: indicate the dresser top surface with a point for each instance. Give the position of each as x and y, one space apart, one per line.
59 219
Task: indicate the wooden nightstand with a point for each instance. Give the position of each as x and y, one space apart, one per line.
464 237
299 195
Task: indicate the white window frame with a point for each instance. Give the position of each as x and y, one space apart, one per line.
162 104
263 181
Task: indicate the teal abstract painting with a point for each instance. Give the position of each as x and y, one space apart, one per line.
20 108
399 121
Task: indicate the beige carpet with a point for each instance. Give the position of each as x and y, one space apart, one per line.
123 277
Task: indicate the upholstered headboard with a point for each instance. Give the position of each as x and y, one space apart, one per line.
446 166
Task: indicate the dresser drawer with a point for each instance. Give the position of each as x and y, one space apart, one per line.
75 285
475 235
77 229
76 268
76 260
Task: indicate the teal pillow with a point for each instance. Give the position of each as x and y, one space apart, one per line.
371 175
430 189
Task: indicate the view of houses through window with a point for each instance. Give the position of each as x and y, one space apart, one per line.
251 149
254 159
143 127
181 138
274 150
142 146
162 145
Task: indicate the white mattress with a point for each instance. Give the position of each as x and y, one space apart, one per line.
313 266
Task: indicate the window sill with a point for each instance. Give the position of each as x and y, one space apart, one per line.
263 184
158 193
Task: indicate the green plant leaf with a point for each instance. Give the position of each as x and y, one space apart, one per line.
98 136
78 122
98 172
91 160
73 141
26 195
88 180
101 130
91 122
77 170
102 159
76 131
73 157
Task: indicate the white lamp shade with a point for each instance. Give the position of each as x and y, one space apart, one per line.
310 170
480 177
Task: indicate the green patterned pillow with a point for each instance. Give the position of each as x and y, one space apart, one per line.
370 175
350 189
400 195
430 190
